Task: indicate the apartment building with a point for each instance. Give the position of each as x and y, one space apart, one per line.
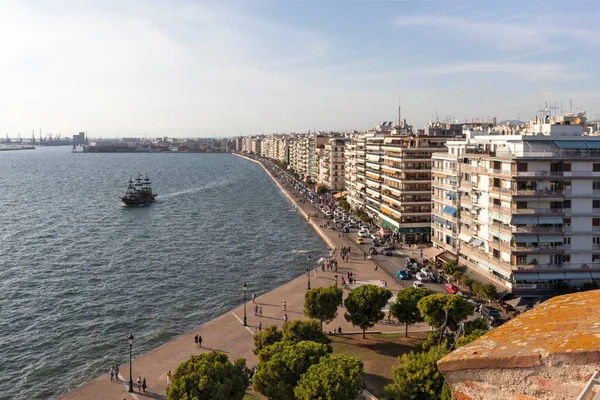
332 164
522 209
354 170
275 147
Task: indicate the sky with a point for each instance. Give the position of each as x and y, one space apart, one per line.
183 68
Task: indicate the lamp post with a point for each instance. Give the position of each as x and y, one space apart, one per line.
308 273
244 288
130 338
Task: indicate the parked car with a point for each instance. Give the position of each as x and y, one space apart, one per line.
372 251
345 229
401 274
374 236
452 289
417 284
387 252
363 234
422 277
491 314
360 240
376 243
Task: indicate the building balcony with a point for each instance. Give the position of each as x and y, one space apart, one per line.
499 173
446 171
537 193
473 170
592 266
495 207
499 190
444 185
479 254
544 248
444 216
529 211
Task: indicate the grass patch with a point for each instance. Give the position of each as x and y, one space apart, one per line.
378 352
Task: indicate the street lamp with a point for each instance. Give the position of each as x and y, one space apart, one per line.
308 273
244 288
130 338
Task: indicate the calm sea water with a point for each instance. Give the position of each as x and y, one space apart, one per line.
78 272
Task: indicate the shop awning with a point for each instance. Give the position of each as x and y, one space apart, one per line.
415 230
431 252
578 275
437 219
592 145
464 237
595 275
524 220
477 242
570 144
526 276
449 210
339 194
551 276
447 256
551 220
550 239
525 239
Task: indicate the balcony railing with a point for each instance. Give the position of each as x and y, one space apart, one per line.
483 255
542 248
562 266
494 189
537 193
516 210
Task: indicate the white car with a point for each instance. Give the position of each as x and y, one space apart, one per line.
422 277
417 284
363 234
374 236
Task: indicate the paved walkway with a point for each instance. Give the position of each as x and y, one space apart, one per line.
227 334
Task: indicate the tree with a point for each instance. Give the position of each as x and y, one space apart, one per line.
267 337
450 267
488 291
322 189
417 376
335 378
322 303
281 365
405 308
298 331
364 306
476 324
209 376
444 311
461 341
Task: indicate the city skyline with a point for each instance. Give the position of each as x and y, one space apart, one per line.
182 69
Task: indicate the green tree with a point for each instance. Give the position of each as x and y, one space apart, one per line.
467 282
209 376
457 275
281 365
476 324
461 341
335 378
488 291
450 267
433 340
405 308
443 311
364 306
322 303
266 337
417 376
297 331
322 189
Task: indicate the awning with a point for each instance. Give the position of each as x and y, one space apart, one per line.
505 218
387 224
551 220
338 195
437 219
431 252
525 239
578 275
449 210
551 276
415 230
550 239
447 256
494 232
526 276
523 220
505 237
494 215
451 195
477 242
359 186
570 144
592 145
595 275
464 237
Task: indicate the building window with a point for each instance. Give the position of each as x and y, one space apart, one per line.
497 165
567 240
521 260
596 240
496 253
522 167
567 221
567 204
595 257
596 167
595 221
521 205
496 182
595 203
596 185
567 167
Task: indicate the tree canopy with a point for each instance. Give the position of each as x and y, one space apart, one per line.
266 337
209 376
322 189
417 376
443 311
461 341
322 303
364 305
281 365
335 378
405 308
476 324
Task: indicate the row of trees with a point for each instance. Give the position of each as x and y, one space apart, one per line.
486 291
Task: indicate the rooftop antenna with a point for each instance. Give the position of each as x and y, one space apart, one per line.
570 105
437 119
553 109
399 109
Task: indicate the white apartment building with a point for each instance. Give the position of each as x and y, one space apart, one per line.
523 209
275 147
332 164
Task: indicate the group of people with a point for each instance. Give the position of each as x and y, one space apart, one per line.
345 253
258 311
330 265
198 340
141 384
114 372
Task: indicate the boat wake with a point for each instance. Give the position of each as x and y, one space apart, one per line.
300 251
193 190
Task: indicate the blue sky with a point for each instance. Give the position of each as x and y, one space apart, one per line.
225 68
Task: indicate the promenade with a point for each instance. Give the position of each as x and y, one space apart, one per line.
226 333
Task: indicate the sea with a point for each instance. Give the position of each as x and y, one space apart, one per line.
79 272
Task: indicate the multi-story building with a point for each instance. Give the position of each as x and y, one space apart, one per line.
522 209
355 171
332 163
275 147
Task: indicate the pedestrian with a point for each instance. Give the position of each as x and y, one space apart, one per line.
253 297
259 326
196 340
169 376
255 311
284 306
112 372
144 385
139 384
199 341
375 267
285 317
260 311
316 269
364 256
116 372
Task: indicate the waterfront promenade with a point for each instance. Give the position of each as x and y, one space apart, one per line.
227 334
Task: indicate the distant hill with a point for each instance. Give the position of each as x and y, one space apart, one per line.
513 122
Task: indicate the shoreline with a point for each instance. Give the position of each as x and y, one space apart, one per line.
186 337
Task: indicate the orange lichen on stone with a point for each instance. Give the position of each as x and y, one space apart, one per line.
564 328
